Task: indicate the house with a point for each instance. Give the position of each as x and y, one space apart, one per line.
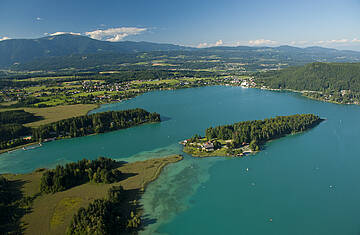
208 146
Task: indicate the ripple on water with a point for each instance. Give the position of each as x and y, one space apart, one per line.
170 193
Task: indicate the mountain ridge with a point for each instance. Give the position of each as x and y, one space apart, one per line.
20 51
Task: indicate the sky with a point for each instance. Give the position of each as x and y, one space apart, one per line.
197 23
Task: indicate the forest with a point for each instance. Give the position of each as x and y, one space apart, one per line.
106 216
101 170
315 77
339 82
94 123
259 131
5 200
11 128
17 116
12 134
13 205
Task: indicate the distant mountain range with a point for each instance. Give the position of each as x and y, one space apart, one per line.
29 52
24 50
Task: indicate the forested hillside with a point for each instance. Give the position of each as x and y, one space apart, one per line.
24 50
338 82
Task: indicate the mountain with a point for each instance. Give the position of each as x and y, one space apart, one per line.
80 52
320 52
24 50
331 82
315 77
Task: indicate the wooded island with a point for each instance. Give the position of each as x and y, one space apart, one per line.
245 137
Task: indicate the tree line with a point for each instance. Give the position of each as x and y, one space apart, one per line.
101 170
94 123
11 127
259 131
17 116
112 215
329 78
11 134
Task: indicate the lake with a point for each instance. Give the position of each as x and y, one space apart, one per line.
300 184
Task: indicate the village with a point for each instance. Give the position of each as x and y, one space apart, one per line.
202 147
97 91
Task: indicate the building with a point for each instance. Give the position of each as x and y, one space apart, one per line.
208 146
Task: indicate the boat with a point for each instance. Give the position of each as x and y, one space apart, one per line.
32 147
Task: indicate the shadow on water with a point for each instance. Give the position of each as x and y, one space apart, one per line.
165 118
146 220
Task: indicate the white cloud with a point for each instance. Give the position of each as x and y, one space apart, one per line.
300 43
205 44
338 40
219 43
333 41
4 38
202 45
114 34
262 42
61 33
39 18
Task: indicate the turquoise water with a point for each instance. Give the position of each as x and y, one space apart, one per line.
305 183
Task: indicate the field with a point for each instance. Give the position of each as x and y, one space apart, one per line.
195 152
53 114
52 213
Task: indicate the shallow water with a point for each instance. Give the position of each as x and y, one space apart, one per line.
305 183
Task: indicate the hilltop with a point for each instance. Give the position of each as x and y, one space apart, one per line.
335 82
68 51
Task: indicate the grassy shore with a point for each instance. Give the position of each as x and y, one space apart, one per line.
222 152
52 213
51 114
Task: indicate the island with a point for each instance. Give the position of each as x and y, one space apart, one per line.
98 196
242 138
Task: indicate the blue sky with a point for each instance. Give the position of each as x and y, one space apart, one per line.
189 22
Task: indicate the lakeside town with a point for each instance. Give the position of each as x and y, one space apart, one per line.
101 91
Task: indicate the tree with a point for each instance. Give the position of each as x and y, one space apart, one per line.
254 145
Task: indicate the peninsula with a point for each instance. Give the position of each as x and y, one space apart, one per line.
69 198
245 137
14 134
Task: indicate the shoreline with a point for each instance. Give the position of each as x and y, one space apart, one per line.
303 94
65 137
224 84
245 150
217 153
57 210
